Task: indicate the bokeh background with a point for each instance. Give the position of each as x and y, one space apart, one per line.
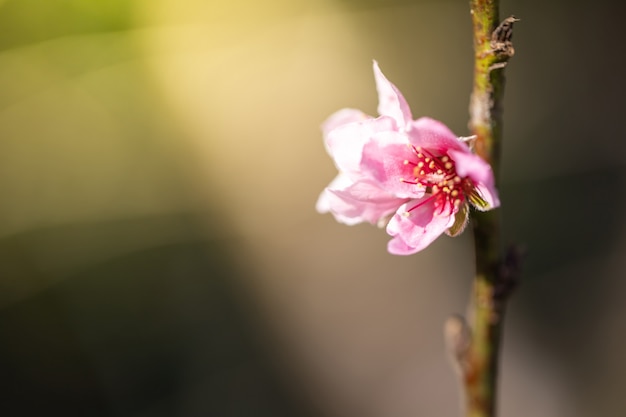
160 254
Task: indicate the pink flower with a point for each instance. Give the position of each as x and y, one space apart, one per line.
415 176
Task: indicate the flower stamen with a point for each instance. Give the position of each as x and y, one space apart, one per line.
437 175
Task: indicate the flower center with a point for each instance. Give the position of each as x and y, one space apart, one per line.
438 176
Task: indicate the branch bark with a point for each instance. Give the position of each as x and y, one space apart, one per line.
478 363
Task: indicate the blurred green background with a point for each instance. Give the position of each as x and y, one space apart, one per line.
160 254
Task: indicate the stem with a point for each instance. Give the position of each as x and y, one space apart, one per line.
481 361
492 46
485 113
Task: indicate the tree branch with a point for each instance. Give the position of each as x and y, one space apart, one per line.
493 283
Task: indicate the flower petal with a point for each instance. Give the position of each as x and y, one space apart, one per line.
356 202
391 102
343 117
479 171
345 142
384 160
416 229
397 246
341 181
435 136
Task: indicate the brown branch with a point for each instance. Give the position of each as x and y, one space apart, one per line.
477 353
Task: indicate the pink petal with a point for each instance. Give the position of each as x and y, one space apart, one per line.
341 181
434 136
345 143
383 159
471 165
343 117
416 230
397 246
361 201
476 168
391 102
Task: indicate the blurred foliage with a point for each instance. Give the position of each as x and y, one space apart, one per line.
31 21
159 331
364 4
558 223
116 296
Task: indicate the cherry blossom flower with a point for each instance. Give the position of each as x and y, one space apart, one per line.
414 176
